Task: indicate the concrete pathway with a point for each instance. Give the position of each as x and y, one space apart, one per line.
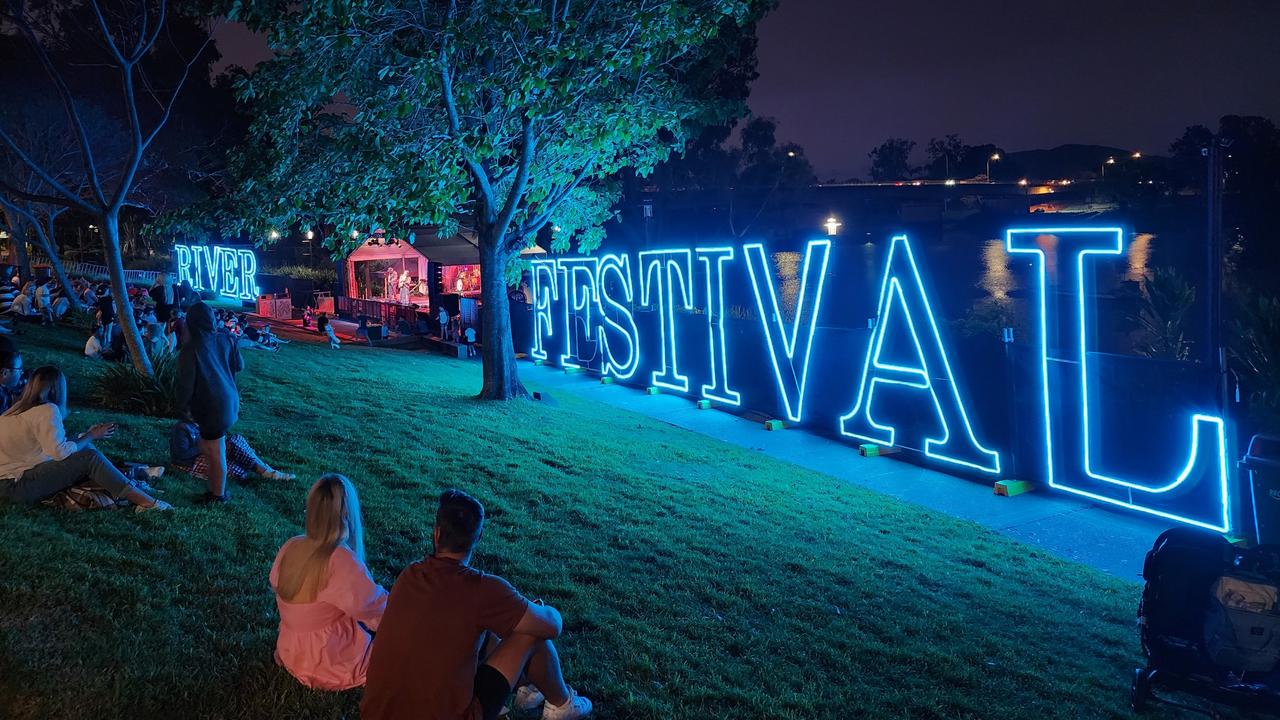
1114 542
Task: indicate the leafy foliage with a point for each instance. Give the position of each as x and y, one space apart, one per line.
327 274
1255 352
121 386
1166 301
513 115
891 159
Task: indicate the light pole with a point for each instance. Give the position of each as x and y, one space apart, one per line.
996 157
1110 161
832 225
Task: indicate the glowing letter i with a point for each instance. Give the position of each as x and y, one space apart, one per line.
713 261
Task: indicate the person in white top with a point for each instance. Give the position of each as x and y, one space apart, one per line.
36 458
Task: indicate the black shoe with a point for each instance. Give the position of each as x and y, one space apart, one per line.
209 498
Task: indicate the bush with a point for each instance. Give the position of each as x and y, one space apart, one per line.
122 387
322 275
1255 352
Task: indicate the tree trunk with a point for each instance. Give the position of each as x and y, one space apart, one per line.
498 356
120 290
68 291
18 245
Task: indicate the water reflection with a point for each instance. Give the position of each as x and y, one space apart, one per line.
1139 254
997 280
787 269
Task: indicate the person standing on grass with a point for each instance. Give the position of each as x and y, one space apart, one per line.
207 367
163 294
329 605
36 458
431 661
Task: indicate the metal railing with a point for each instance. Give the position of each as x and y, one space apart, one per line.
99 272
389 314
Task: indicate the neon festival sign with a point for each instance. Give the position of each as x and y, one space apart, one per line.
227 271
713 323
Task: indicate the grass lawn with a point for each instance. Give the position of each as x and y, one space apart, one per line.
697 579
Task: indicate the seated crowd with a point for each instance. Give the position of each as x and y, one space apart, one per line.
447 642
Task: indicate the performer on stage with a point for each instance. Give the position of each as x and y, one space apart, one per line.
393 282
405 283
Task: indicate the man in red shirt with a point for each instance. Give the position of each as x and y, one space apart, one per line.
430 660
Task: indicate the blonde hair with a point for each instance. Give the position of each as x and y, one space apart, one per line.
47 385
333 519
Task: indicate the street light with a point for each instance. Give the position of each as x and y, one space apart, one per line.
949 182
832 225
311 235
995 157
1137 155
1023 182
355 234
1110 161
274 235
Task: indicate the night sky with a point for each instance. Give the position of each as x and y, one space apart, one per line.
840 76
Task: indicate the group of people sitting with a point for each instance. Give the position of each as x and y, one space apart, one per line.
448 641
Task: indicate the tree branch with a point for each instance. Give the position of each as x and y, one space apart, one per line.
527 150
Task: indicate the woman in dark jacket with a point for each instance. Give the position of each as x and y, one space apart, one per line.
207 365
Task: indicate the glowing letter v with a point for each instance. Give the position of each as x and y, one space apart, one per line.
788 351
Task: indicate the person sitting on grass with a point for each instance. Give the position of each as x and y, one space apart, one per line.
38 461
242 460
11 379
207 393
427 661
329 604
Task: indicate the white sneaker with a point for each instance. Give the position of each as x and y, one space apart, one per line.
528 698
577 707
164 506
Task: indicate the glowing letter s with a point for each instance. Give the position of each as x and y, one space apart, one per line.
901 287
618 265
786 348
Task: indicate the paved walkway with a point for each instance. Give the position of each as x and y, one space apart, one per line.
1114 542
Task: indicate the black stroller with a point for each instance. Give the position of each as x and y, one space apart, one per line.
1224 651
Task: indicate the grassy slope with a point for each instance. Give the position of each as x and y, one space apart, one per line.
697 579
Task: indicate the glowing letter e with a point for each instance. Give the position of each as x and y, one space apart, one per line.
901 287
670 272
1064 372
786 348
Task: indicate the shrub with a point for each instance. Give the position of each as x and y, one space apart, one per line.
121 387
323 275
1255 351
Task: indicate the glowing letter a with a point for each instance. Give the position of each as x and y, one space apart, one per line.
1071 461
902 292
543 281
789 351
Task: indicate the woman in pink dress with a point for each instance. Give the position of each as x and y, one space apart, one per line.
329 605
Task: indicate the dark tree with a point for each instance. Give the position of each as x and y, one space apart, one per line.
891 160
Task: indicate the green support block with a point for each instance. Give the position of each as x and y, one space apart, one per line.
704 404
773 425
1238 541
606 380
869 450
570 370
539 361
652 390
1009 488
